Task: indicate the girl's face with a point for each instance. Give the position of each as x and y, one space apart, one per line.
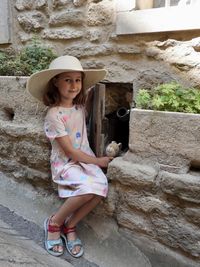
69 85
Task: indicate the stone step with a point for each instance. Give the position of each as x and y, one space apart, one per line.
24 210
17 250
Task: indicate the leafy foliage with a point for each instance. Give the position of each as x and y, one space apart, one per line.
33 57
170 97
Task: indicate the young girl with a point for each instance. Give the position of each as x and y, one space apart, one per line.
75 168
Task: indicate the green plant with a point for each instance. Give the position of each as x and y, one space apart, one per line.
36 56
33 57
170 97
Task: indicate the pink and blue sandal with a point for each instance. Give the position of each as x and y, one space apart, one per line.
71 244
50 244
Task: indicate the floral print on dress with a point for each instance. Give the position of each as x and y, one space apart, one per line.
64 118
78 135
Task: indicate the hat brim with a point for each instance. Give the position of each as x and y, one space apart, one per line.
37 83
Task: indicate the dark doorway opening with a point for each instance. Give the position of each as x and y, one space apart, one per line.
118 102
109 116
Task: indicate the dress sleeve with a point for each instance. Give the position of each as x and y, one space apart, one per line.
54 127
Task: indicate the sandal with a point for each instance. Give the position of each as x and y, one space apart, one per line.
71 244
50 244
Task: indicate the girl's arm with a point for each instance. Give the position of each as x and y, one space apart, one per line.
80 156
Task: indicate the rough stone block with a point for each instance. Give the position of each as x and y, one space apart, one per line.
193 215
177 234
181 54
62 34
146 204
100 14
172 139
132 175
31 22
94 35
24 149
134 222
26 5
25 144
70 16
33 154
41 4
58 4
108 206
128 49
16 104
22 5
184 186
83 50
78 2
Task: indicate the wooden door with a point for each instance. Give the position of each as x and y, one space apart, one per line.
97 136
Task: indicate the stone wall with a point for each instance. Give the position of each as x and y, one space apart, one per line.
155 189
86 29
159 205
24 150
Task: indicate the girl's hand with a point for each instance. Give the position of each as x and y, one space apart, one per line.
103 161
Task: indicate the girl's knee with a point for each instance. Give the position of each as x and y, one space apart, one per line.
88 197
98 198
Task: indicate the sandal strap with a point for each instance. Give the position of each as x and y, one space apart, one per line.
53 228
67 230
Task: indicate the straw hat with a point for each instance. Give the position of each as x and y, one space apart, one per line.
37 83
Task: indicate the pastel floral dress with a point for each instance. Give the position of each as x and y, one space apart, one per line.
73 178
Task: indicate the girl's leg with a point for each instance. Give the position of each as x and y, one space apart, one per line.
83 211
69 206
78 216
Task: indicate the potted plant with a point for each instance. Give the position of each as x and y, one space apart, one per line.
170 97
164 127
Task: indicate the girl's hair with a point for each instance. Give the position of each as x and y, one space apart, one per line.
52 96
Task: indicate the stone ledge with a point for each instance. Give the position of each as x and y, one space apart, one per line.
127 173
184 186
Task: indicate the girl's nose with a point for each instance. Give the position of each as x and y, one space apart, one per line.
73 83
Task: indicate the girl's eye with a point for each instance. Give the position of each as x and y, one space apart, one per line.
70 81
